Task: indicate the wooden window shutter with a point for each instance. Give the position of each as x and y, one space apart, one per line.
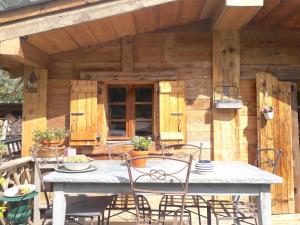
83 112
172 124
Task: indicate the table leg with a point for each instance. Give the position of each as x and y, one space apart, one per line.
36 201
59 204
264 206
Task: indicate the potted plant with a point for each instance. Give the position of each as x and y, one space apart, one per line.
51 137
141 149
3 149
268 112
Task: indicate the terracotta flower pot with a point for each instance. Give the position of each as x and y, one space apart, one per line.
52 143
269 115
139 163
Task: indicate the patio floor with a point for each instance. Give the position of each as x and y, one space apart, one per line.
291 219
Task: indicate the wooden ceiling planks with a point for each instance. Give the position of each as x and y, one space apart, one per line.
146 20
277 14
191 11
102 29
123 24
39 41
82 35
61 39
169 14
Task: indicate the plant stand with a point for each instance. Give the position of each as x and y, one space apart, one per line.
19 210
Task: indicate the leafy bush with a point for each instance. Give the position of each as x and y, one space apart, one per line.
49 135
11 90
141 143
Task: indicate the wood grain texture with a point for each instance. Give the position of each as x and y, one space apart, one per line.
83 113
276 134
295 145
34 108
226 123
172 118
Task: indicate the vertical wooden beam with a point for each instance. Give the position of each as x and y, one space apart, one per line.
127 54
295 146
34 108
226 67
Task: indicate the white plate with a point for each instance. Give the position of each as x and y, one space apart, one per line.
12 192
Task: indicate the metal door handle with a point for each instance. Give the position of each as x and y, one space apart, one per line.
77 114
176 114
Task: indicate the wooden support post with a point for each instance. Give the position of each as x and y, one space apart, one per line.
226 125
34 108
235 14
295 146
127 54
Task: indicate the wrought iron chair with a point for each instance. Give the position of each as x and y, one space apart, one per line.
174 170
76 206
240 211
124 203
192 201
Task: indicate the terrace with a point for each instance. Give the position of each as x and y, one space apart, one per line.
197 72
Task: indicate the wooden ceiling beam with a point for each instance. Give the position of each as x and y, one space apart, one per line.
76 16
235 14
20 51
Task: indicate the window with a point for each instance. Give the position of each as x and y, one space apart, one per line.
130 111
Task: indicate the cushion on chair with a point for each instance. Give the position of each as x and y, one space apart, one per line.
87 206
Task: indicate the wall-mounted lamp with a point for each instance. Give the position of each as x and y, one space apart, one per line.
32 83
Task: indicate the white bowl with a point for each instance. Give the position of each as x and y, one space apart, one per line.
77 166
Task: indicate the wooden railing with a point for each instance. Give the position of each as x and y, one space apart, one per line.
16 172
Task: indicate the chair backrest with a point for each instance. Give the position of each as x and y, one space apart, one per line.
162 170
119 149
183 151
39 155
268 158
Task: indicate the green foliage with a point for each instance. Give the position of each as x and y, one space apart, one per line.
49 134
2 208
141 143
11 90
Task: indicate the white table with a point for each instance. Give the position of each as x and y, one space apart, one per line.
228 178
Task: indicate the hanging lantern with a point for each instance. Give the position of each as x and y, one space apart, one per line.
32 83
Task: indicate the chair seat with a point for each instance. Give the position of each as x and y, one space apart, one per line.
126 202
84 206
87 206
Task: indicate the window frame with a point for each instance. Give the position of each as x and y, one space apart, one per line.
130 109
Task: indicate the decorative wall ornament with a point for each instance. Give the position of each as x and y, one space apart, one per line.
32 83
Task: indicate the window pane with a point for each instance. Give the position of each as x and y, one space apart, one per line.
143 94
117 129
117 112
117 94
143 111
143 128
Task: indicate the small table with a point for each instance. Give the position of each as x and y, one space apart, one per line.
111 176
19 210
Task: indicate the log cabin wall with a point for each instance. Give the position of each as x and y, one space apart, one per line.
190 54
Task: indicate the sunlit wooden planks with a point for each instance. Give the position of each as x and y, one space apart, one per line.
276 133
83 112
226 67
34 116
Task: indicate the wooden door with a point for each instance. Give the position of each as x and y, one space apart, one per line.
83 112
172 124
277 134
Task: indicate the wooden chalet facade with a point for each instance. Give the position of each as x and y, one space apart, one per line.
110 70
